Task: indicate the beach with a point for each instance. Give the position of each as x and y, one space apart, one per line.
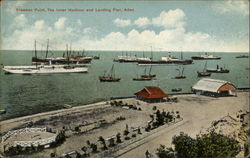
197 113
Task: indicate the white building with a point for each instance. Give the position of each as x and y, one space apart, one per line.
214 87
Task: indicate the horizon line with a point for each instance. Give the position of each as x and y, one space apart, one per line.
134 51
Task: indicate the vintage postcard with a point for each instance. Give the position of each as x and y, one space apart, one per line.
127 79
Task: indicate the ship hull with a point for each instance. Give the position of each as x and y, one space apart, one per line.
180 77
142 79
161 62
217 71
203 74
108 79
46 70
204 58
62 60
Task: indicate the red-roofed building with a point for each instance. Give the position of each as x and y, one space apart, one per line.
151 94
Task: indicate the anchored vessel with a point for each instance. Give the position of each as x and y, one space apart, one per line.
180 76
205 57
145 76
110 77
44 69
218 70
204 73
71 58
242 56
176 89
149 75
131 59
166 60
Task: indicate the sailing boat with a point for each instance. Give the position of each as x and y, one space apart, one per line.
149 74
142 79
180 76
204 73
110 77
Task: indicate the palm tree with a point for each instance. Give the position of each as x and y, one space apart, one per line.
111 142
118 138
102 140
125 133
93 146
84 149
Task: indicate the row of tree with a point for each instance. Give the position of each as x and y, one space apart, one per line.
160 118
121 104
112 141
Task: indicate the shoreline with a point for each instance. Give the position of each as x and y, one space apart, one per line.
81 107
53 112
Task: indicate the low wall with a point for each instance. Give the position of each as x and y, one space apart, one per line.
20 131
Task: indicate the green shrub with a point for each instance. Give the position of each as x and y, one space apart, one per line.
210 145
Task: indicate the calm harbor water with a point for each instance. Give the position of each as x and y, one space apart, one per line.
22 95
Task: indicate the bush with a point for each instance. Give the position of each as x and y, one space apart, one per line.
118 138
163 152
154 108
93 147
206 146
125 132
126 138
77 129
133 135
247 149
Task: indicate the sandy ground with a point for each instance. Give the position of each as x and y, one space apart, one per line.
198 113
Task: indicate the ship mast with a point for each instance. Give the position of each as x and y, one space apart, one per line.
47 50
67 53
35 53
151 53
150 70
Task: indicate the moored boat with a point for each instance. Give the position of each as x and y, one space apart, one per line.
110 77
44 69
47 70
149 75
242 56
218 70
2 111
204 73
176 89
205 57
143 79
166 60
70 59
180 76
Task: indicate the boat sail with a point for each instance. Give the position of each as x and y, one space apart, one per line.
110 77
180 76
42 69
145 77
204 73
149 75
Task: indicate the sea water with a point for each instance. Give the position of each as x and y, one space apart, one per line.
22 95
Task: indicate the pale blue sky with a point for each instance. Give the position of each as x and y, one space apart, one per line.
169 25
